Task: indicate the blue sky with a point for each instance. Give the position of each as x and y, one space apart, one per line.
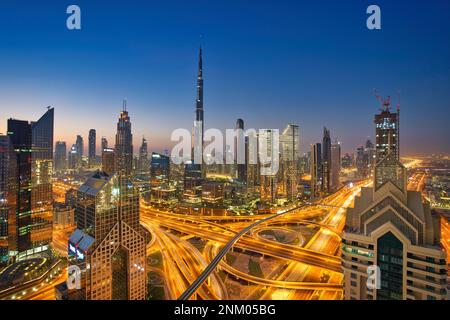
313 63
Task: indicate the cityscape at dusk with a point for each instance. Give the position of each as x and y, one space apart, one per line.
224 150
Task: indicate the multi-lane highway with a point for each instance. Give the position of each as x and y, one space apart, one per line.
306 265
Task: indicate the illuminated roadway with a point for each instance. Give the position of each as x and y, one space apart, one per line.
323 235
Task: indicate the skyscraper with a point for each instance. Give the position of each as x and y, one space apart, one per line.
143 162
194 170
160 168
92 146
104 143
239 147
60 156
335 165
124 144
268 187
108 161
5 158
316 169
199 124
392 235
30 191
290 155
72 158
79 151
110 252
251 159
387 132
199 127
326 160
362 163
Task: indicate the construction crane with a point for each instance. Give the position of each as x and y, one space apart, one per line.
384 102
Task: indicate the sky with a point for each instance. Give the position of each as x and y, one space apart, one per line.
312 63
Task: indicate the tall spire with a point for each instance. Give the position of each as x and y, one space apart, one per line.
199 101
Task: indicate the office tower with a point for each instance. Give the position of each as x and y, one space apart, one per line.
80 149
251 160
326 161
213 193
124 144
387 132
193 179
30 191
239 147
92 146
347 160
110 252
160 168
290 155
60 156
335 165
143 162
41 184
104 143
392 228
362 163
268 187
5 158
72 158
108 161
316 169
371 155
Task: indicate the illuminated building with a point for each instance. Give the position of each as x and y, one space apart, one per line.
193 179
371 154
387 132
104 143
316 169
160 168
392 228
79 143
30 195
335 165
347 160
362 163
5 155
251 159
107 245
63 216
213 193
268 179
290 155
92 146
73 159
326 161
143 162
195 171
239 145
108 161
60 156
124 144
199 123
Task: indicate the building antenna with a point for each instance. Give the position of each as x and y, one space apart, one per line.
124 105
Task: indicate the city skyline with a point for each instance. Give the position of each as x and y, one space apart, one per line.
159 80
310 158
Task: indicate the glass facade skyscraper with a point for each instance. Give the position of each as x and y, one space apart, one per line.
30 195
92 146
60 156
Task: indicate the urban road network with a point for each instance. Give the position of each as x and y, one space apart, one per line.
310 269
